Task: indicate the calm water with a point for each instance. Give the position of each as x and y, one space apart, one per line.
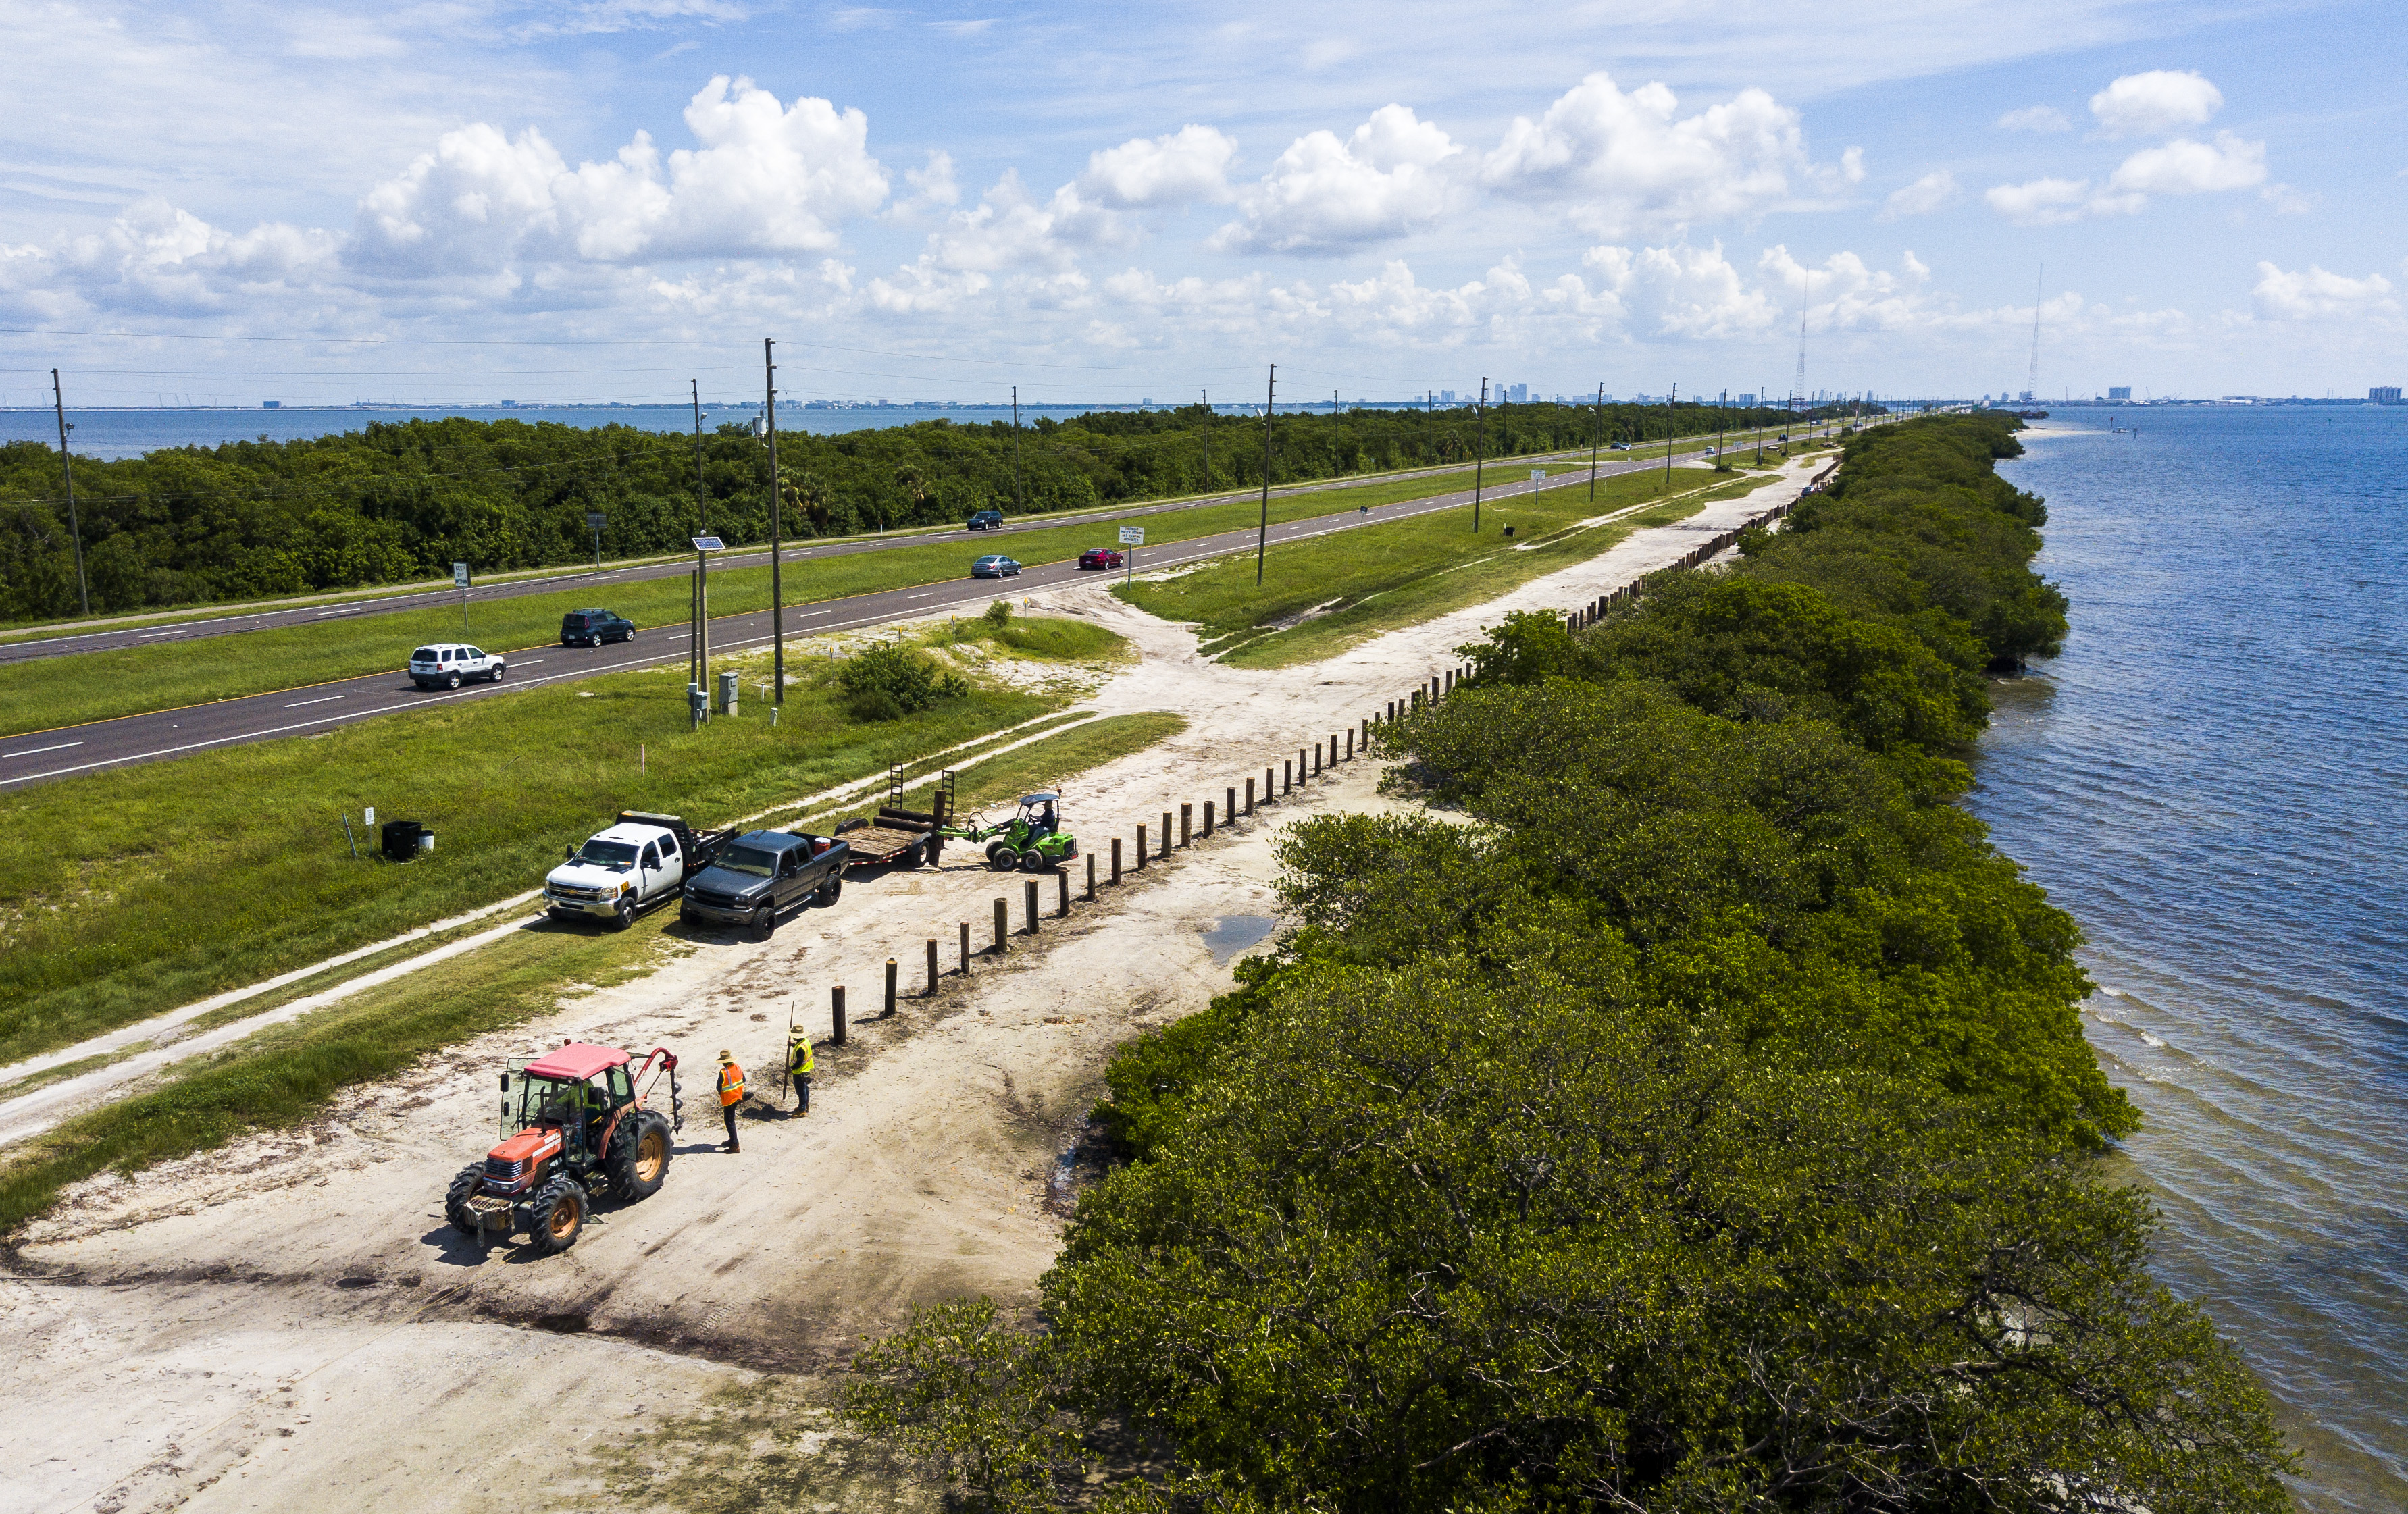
130 432
2214 780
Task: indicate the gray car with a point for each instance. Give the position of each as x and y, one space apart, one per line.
995 567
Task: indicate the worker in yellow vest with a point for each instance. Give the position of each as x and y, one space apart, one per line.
798 1067
731 1093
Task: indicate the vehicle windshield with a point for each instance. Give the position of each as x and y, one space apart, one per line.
619 856
542 1101
750 860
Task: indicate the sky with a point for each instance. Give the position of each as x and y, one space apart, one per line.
613 199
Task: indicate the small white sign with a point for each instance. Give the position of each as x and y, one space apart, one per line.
1132 535
1537 474
459 575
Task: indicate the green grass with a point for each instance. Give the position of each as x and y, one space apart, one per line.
1321 595
103 685
1043 638
126 892
287 1074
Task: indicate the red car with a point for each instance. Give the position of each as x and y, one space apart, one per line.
1100 557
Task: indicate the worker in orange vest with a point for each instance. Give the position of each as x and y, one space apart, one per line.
731 1093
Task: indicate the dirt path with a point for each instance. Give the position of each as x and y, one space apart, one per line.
287 1323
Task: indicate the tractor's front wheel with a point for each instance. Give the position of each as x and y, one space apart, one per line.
1002 858
558 1216
640 1156
455 1200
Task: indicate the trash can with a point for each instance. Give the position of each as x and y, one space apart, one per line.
727 694
401 839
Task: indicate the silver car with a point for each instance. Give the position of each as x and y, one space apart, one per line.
995 567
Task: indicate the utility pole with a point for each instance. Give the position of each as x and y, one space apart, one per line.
777 536
1671 426
1263 532
1722 424
701 559
1479 450
1208 445
1597 434
67 466
1019 498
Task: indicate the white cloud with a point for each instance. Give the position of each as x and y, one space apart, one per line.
158 259
2288 201
931 186
1681 291
2314 295
1191 163
2158 101
767 179
2039 118
2183 166
1920 198
1630 162
1395 174
2041 202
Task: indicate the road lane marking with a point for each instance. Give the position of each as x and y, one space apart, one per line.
930 594
147 634
320 700
32 750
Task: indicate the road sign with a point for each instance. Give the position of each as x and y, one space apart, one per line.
593 520
1537 474
708 544
459 575
1132 535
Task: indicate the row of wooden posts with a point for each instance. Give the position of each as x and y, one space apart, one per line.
1309 763
1595 609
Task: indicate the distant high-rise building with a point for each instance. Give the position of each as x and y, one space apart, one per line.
1747 399
1518 394
2384 395
2119 392
1447 395
2026 396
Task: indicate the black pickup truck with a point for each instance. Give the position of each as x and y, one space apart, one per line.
760 875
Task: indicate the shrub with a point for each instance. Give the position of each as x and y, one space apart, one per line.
887 682
999 613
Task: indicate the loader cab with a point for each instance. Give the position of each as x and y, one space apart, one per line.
1041 813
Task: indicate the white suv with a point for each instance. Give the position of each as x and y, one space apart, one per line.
446 666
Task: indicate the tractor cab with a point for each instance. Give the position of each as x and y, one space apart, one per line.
574 1124
1041 814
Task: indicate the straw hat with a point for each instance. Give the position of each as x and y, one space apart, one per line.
726 1056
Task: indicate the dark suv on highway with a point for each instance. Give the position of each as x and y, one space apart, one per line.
762 874
591 628
984 521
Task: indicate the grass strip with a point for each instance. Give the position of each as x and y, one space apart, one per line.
58 691
126 892
1333 591
287 1074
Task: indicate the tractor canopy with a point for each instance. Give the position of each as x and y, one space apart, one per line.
575 1061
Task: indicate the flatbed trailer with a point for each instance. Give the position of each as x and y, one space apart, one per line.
899 837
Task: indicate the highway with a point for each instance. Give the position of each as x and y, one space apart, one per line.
151 632
68 750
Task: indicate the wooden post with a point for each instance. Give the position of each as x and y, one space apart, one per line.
1141 849
1250 796
1287 776
1268 792
1061 893
836 1013
1187 824
1350 743
1029 893
965 948
1207 818
1116 859
1299 765
1230 807
932 968
1166 833
1002 925
889 1013
1091 875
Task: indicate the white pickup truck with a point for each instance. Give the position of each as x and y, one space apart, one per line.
641 860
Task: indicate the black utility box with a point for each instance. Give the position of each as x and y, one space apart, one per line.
401 839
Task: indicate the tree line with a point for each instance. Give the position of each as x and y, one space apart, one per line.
1699 1119
399 502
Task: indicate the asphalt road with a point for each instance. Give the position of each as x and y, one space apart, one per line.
172 732
153 632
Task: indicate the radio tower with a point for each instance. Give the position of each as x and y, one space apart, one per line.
1805 283
2031 381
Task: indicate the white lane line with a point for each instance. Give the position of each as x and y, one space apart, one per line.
930 594
322 615
147 634
30 750
808 614
320 700
532 662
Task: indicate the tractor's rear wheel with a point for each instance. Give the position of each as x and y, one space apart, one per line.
1002 858
455 1200
557 1216
640 1156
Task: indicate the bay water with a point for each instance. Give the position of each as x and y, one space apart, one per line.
2214 781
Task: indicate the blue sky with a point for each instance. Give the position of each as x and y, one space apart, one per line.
598 200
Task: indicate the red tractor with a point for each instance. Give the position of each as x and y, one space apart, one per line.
575 1124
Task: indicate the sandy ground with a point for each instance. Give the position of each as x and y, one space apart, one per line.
287 1323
